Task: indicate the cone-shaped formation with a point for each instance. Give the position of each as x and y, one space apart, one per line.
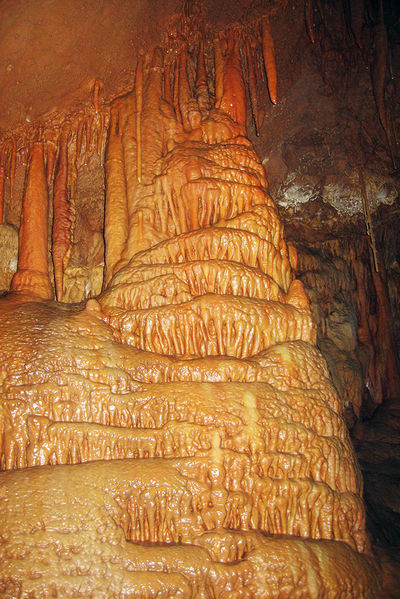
188 410
32 275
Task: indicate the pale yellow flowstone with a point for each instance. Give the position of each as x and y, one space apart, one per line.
64 527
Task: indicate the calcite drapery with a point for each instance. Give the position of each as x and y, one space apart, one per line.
185 438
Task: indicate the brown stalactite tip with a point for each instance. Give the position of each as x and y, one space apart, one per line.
32 274
269 59
251 78
308 16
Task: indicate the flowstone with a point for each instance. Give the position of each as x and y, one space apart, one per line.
178 436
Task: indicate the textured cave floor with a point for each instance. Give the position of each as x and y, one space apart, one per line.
377 443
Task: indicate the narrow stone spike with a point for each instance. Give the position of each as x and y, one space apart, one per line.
32 275
63 217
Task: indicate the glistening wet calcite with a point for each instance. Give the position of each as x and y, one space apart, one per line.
178 436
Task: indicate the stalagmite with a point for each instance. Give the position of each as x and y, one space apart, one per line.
269 59
32 275
63 216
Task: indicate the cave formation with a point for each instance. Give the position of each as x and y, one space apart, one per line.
199 268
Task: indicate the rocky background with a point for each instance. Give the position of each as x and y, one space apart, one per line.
330 140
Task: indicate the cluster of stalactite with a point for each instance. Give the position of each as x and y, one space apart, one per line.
53 154
352 272
190 397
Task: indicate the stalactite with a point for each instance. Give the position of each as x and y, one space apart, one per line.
368 221
233 100
2 181
168 96
32 275
193 384
202 93
139 107
13 165
51 149
308 15
116 208
184 93
79 137
89 137
357 9
379 67
100 135
96 88
63 216
219 66
151 118
385 359
176 89
269 59
251 75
